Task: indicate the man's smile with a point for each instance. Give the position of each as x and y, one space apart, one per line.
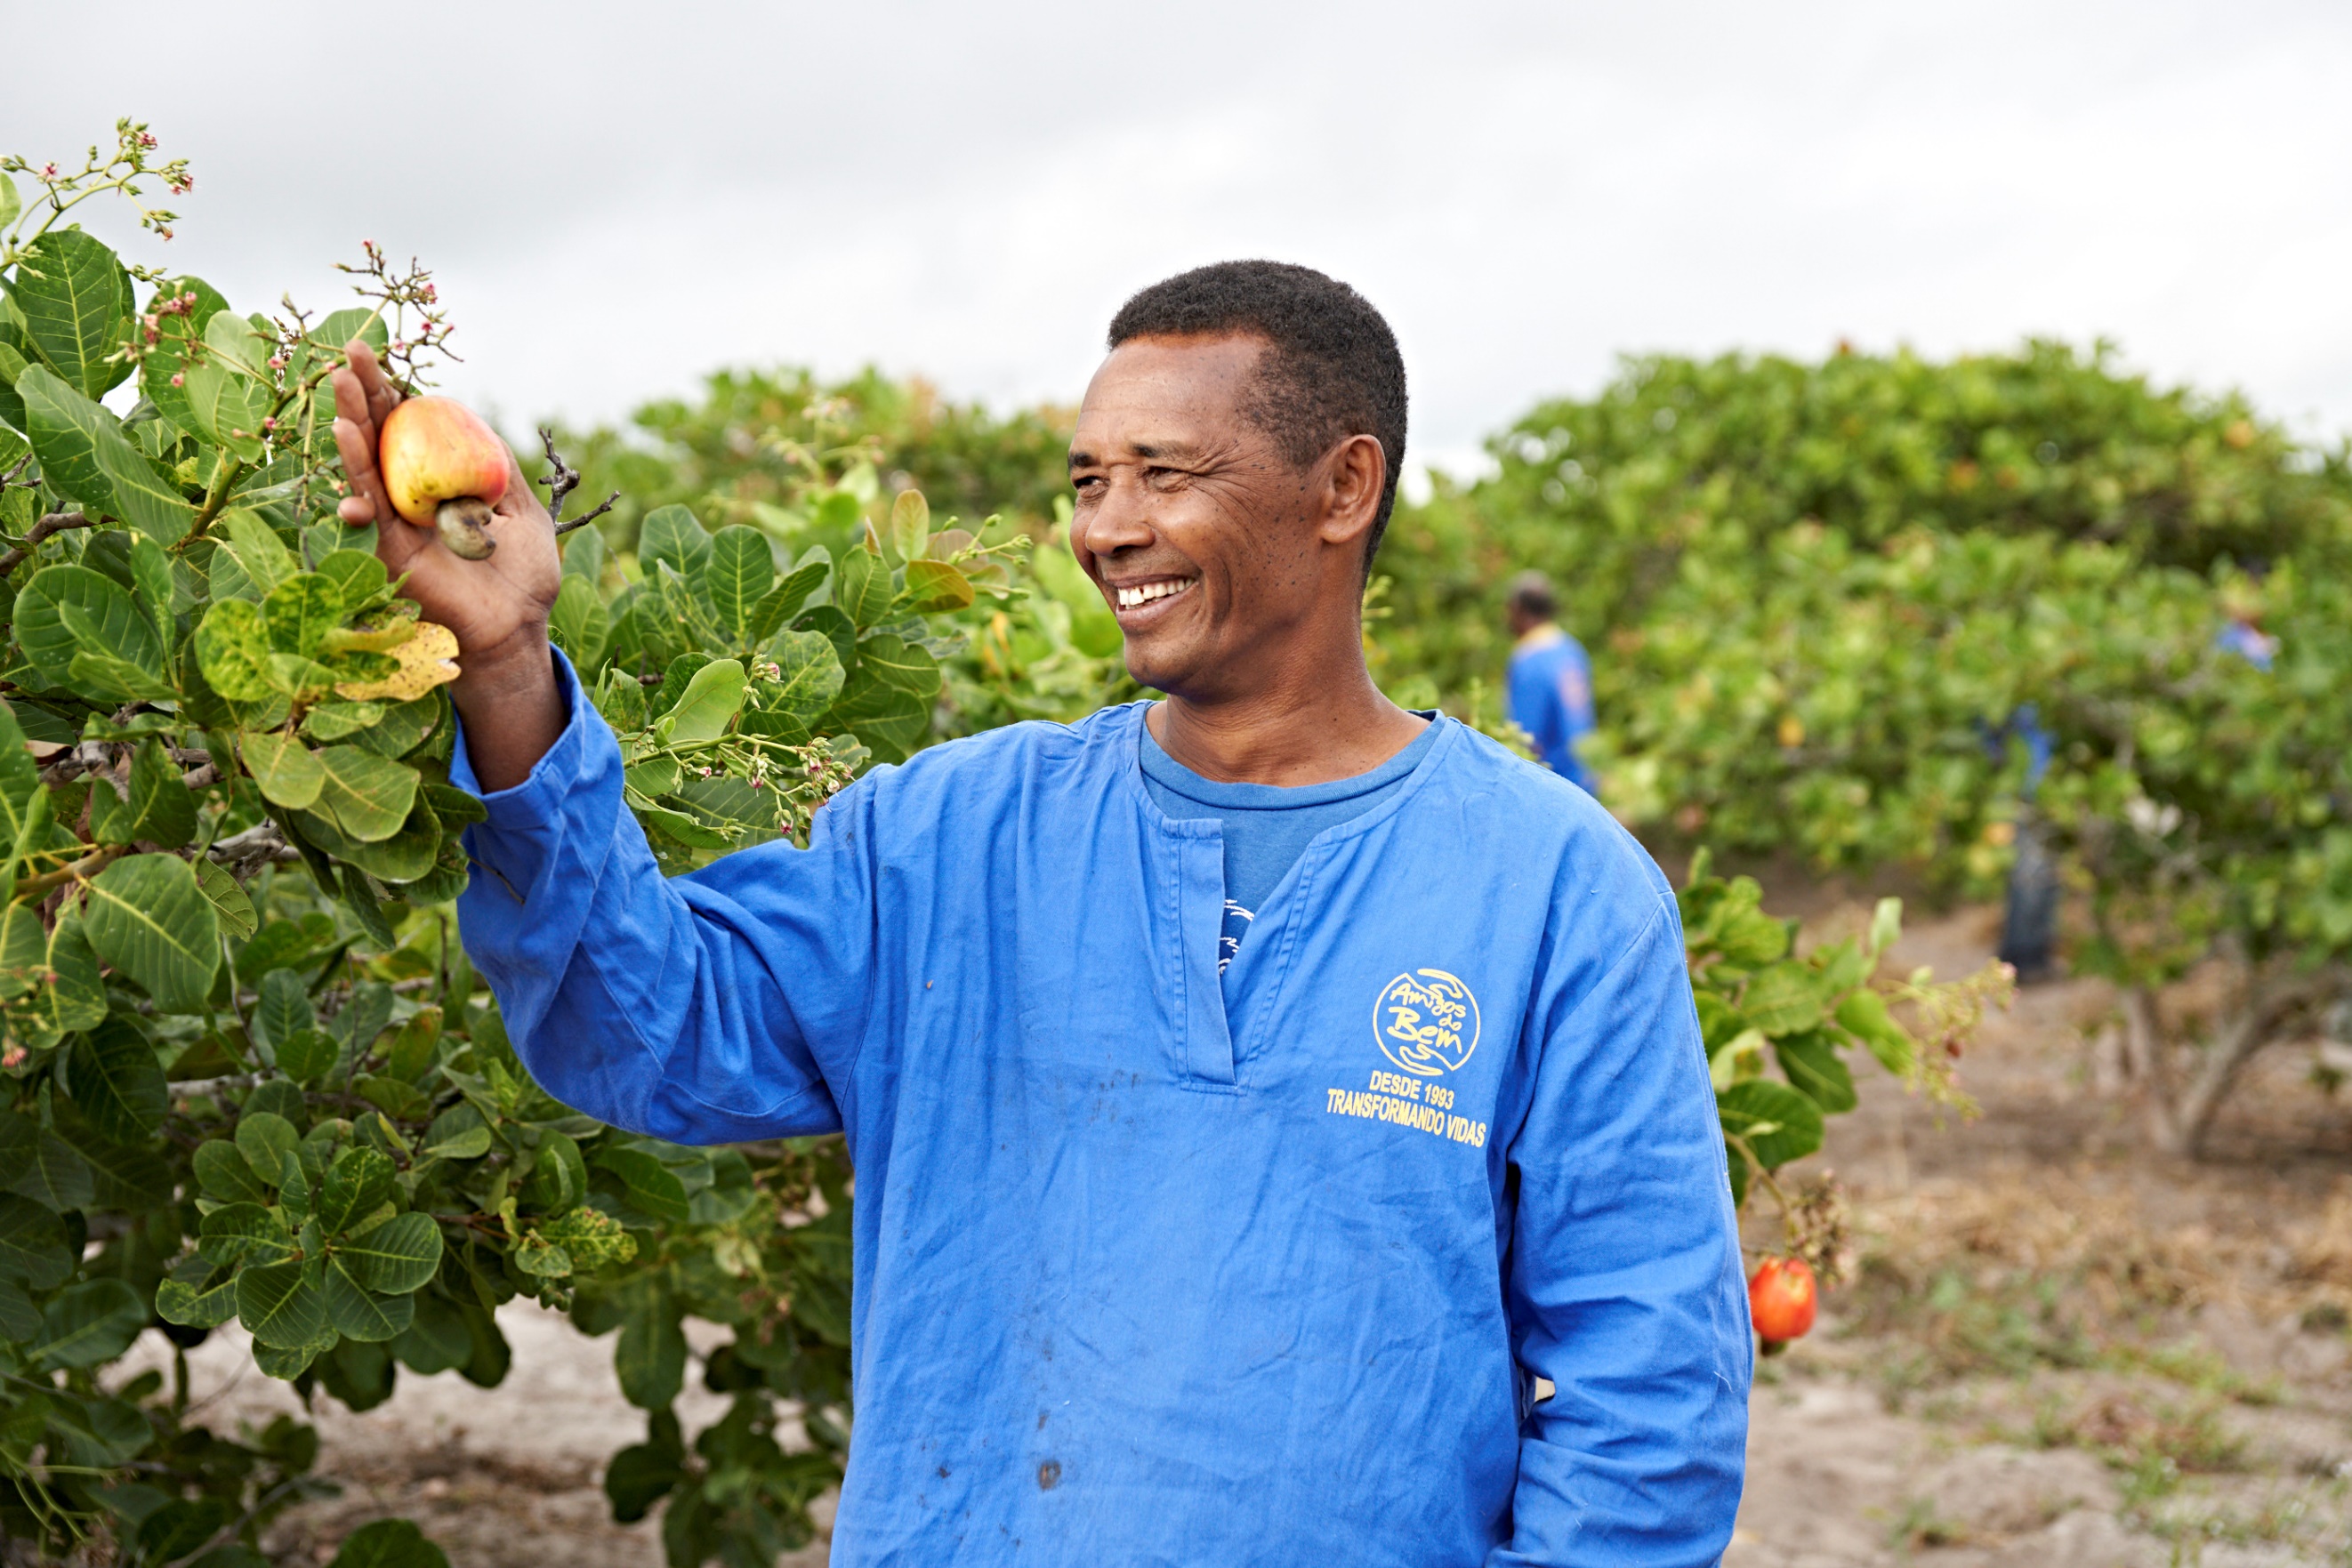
1146 600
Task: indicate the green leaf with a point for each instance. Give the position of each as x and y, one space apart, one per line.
897 663
85 456
307 1055
357 1184
740 572
862 589
105 621
122 1176
286 1364
22 802
148 918
224 1173
231 907
222 388
117 1083
32 1244
244 1233
837 629
1784 1000
778 604
559 1180
360 1313
672 534
650 1359
75 298
402 726
267 563
457 1134
647 1183
1812 1064
389 1543
357 575
10 204
266 1138
1864 1016
339 721
584 556
876 711
77 999
56 1175
281 1305
640 1476
163 809
19 1320
809 676
396 1258
910 524
708 703
579 625
934 587
98 1432
1885 925
281 1007
153 586
1778 1122
368 796
104 675
288 773
298 614
91 1323
233 651
193 1306
178 1527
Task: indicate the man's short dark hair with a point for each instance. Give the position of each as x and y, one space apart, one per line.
1531 595
1334 370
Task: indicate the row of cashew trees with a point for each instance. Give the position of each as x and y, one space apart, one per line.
1826 600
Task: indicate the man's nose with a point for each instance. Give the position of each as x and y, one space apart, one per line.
1120 520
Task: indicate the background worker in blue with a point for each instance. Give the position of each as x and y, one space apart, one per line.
1180 1239
1548 689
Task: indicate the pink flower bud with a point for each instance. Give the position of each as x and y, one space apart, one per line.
177 379
269 422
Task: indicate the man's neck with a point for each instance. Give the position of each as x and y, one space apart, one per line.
1289 738
1540 635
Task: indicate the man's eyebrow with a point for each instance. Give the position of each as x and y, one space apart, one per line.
1150 450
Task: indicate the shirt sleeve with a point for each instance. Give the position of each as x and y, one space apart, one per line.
1623 1279
719 1006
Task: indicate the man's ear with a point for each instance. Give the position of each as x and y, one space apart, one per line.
1355 473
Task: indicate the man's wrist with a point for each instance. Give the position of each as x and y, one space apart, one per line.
521 666
512 706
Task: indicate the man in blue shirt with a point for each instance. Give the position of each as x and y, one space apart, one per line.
1183 1236
1549 688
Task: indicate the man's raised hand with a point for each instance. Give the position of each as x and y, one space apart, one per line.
497 607
513 709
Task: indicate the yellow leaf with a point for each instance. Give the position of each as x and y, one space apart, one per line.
427 660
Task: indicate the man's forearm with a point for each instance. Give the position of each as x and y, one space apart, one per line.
512 708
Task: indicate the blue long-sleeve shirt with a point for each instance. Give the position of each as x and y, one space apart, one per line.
1150 1271
1549 691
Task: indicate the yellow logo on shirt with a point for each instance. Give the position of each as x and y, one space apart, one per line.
1426 1022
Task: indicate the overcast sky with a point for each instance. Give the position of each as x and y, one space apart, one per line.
621 197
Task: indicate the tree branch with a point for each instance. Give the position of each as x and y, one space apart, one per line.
561 484
55 523
89 865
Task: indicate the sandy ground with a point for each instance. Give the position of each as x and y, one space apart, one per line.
2199 1410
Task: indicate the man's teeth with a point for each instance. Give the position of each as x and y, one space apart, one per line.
1144 593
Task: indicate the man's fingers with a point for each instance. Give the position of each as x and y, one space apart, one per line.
383 397
355 442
